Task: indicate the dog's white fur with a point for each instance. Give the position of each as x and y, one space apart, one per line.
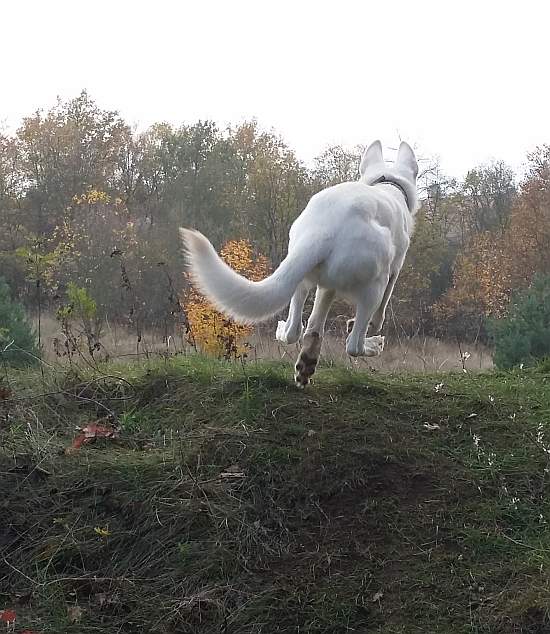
350 240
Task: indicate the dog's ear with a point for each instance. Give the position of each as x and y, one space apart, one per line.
372 156
407 159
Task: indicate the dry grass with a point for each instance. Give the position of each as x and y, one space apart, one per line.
416 354
118 341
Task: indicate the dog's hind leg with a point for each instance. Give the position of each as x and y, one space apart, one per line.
357 343
290 331
380 314
313 338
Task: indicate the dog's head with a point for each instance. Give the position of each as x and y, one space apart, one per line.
403 172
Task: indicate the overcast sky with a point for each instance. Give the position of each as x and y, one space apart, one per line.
467 81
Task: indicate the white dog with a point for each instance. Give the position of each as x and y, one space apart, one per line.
350 240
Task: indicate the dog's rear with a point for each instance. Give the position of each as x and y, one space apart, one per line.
350 240
232 294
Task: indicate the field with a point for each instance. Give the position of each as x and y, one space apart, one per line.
231 502
417 353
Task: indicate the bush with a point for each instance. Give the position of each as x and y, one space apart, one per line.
17 336
211 331
523 336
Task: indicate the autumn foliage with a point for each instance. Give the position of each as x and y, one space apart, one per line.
87 201
481 281
211 331
494 264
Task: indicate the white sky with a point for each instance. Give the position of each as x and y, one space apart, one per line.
467 81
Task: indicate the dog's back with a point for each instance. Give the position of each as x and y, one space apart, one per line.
359 229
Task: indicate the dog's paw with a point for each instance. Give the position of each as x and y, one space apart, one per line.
354 347
374 346
285 333
280 332
370 347
304 370
307 359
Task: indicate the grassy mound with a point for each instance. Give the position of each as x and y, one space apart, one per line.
234 503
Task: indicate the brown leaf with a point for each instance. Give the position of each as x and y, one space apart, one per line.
96 430
90 433
8 616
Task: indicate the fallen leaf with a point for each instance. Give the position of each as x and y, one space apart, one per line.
74 614
377 596
8 616
95 430
90 433
102 532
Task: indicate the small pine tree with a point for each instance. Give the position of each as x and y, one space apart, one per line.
18 346
523 336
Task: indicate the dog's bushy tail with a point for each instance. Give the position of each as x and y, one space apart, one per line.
232 294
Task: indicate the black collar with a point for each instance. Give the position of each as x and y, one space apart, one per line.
385 181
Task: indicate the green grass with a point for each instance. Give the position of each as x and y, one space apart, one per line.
235 503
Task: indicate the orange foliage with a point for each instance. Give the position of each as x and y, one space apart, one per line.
481 280
211 331
495 264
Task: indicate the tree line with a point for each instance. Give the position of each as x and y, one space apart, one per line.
88 201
